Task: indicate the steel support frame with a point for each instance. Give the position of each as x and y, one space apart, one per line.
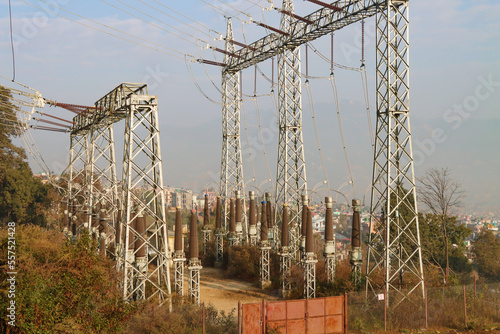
330 267
206 238
285 268
231 176
309 264
142 193
219 246
265 278
194 268
104 183
291 180
179 261
77 183
394 244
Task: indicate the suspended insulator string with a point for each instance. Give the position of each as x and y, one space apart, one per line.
364 83
307 64
337 107
316 132
52 123
362 42
331 52
54 117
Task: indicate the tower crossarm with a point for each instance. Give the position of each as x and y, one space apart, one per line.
325 21
111 108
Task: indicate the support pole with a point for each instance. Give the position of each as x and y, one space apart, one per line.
252 231
356 255
194 265
285 266
233 240
265 248
239 218
179 257
219 235
309 261
206 225
329 251
303 229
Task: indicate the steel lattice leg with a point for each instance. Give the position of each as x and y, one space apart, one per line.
291 173
265 279
77 188
285 267
104 172
219 248
309 263
330 267
395 246
206 239
231 177
179 261
194 281
142 165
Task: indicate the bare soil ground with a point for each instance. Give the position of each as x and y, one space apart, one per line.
225 293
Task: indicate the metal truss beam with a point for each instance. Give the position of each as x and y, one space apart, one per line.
231 177
325 21
394 245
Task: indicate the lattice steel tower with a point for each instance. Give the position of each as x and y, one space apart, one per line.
291 180
395 245
231 176
142 196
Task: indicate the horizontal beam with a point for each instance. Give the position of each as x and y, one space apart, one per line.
325 21
111 107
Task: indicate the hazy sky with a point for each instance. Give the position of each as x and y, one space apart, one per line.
454 77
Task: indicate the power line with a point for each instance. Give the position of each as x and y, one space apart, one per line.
111 34
199 23
153 24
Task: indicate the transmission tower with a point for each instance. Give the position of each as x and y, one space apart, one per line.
395 245
231 176
142 193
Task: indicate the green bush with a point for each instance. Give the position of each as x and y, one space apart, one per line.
61 287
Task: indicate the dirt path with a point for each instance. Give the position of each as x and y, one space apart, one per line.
225 293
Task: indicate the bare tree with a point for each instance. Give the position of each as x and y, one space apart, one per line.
440 193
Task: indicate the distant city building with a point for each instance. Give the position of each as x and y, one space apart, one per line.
179 197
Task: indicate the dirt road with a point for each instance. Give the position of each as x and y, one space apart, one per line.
225 293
